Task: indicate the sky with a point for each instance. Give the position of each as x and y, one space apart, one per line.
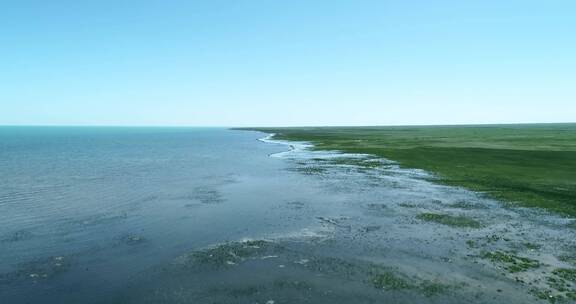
287 63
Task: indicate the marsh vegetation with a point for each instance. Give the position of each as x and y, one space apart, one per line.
532 165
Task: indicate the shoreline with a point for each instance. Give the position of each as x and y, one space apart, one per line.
527 166
482 218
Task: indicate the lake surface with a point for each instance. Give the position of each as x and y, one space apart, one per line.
192 215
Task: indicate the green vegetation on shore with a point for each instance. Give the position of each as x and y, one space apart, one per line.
533 165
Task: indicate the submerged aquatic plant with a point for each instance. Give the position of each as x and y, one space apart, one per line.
566 273
232 253
449 220
389 281
513 262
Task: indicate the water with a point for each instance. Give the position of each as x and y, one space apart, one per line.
114 201
161 215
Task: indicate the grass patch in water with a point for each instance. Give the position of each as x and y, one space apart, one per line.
566 273
230 254
513 263
449 220
557 283
390 281
432 288
546 294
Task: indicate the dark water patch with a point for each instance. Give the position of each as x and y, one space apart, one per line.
466 205
38 270
377 209
17 236
132 239
310 170
371 228
334 221
207 195
408 205
295 205
98 219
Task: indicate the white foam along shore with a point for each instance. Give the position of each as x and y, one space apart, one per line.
302 149
294 146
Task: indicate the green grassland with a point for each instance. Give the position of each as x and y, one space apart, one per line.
533 164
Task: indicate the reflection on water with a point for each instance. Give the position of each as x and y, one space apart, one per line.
182 215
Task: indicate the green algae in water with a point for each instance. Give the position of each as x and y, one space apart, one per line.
390 281
557 283
231 253
449 220
432 288
407 205
566 273
546 294
513 262
471 244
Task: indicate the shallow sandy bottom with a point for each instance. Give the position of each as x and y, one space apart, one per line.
388 235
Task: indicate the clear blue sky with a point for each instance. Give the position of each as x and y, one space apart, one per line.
292 62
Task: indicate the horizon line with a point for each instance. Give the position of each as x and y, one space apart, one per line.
287 126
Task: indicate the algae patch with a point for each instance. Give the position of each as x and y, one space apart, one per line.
449 220
389 281
230 254
566 273
512 262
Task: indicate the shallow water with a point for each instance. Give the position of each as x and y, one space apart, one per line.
153 215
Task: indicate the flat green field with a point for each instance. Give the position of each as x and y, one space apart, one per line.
533 165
